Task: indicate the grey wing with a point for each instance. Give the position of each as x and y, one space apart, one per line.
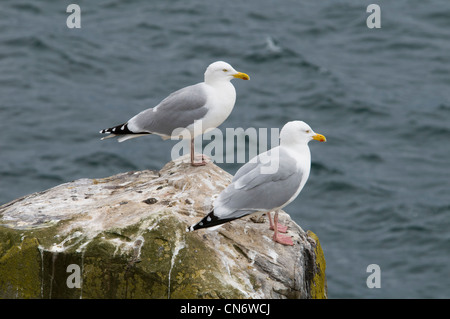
257 163
253 191
178 110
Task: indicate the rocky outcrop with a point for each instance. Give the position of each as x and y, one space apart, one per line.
124 237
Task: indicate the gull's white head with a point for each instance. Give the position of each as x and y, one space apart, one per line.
222 71
298 132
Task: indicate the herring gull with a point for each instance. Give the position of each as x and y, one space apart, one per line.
208 103
256 188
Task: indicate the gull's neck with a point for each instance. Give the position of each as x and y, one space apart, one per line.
299 151
298 146
217 81
225 91
221 100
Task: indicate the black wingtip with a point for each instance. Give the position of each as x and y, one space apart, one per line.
209 220
118 130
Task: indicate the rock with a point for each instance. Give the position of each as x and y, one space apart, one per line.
124 237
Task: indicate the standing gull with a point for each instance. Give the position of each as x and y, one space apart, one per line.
208 103
257 187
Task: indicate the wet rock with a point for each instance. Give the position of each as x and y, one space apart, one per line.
125 237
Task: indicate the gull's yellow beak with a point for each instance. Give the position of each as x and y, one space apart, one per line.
241 75
319 137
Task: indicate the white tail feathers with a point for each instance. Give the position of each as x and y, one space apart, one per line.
128 137
109 136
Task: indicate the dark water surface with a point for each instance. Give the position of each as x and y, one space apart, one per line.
379 188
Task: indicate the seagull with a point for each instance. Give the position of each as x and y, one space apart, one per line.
208 104
258 187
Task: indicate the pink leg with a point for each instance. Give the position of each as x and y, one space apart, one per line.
282 239
281 228
193 163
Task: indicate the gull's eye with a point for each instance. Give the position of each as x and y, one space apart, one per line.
225 70
308 131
